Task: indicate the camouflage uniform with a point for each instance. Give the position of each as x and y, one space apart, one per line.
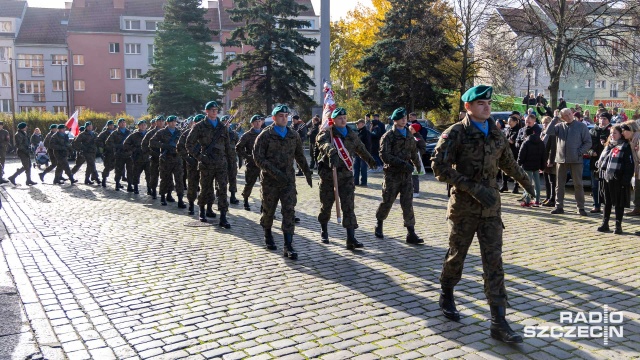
170 161
346 187
80 158
115 141
22 146
4 144
233 162
61 146
468 160
50 152
193 175
86 143
140 161
275 155
108 158
154 157
244 149
212 148
397 152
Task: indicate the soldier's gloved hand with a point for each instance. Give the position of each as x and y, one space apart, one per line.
309 181
409 166
483 194
373 165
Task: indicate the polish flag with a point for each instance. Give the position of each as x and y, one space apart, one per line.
72 124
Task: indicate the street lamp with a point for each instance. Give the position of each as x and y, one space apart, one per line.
150 87
529 68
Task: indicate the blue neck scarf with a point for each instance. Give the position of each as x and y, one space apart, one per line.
403 131
342 130
280 130
482 126
143 132
257 131
123 130
171 130
90 132
213 123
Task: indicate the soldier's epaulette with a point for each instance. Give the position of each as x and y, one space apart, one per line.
452 131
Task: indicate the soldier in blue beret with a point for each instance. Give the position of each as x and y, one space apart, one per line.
468 157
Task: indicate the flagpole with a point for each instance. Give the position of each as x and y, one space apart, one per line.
336 193
328 107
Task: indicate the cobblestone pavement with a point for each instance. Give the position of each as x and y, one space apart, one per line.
105 275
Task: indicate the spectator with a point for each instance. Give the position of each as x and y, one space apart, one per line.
36 138
631 132
562 104
615 116
572 141
599 135
301 128
360 166
377 130
586 117
422 151
616 170
531 159
313 134
512 135
549 171
529 122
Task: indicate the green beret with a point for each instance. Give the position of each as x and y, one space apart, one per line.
22 125
61 126
189 119
337 112
256 117
53 126
280 109
82 128
398 114
121 120
153 121
110 122
141 122
211 104
87 124
225 118
160 118
198 118
480 92
172 118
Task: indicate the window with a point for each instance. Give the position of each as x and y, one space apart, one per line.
231 55
78 59
150 53
37 71
132 24
5 105
59 60
5 52
624 85
133 73
133 98
59 85
5 26
26 109
312 25
152 25
80 108
60 109
561 93
114 48
311 93
31 87
132 48
5 80
116 98
587 83
312 73
28 61
115 74
78 85
614 90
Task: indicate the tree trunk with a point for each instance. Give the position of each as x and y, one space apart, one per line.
554 87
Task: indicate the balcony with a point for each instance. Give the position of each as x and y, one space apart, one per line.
39 98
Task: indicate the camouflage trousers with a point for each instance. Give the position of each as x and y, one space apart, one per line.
80 160
233 174
251 175
171 175
90 171
193 180
122 165
3 157
25 161
109 164
209 175
138 168
346 191
62 164
271 192
394 183
489 231
52 160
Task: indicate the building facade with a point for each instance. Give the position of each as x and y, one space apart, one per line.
11 15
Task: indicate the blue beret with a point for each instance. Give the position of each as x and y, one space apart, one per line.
172 118
53 126
211 104
337 112
61 126
22 125
398 114
110 122
198 118
480 92
256 117
280 109
121 120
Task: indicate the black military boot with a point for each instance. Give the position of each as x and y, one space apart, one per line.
500 329
163 200
191 211
136 190
181 204
246 204
605 225
412 237
352 243
617 231
154 193
289 251
12 179
210 212
72 180
233 200
504 187
41 175
325 233
118 186
378 230
170 198
223 220
29 182
203 216
268 239
149 190
104 182
448 304
87 181
129 187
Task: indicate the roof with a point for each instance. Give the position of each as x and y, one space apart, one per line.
213 18
515 19
43 26
100 16
227 24
12 8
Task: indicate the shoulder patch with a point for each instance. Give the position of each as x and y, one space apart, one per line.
445 136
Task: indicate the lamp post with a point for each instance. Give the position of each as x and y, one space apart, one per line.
529 68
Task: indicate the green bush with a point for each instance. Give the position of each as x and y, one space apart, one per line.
43 120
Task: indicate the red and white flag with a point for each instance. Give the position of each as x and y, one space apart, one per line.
72 124
329 106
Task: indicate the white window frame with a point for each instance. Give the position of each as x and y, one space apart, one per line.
79 85
230 55
587 84
5 53
128 25
129 49
59 109
56 85
30 61
130 72
80 107
134 98
31 87
152 50
156 24
78 59
115 74
59 59
3 108
114 48
116 98
5 79
6 26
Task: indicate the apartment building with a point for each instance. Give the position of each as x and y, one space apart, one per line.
11 14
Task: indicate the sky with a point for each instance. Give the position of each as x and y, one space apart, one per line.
339 8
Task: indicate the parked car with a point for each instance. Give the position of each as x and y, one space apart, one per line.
500 115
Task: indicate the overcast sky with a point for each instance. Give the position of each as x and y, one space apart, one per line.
338 7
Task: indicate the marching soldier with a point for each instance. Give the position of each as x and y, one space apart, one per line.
61 147
4 144
193 175
154 154
122 158
140 161
80 160
244 149
86 143
399 154
347 142
53 129
274 152
108 158
22 146
468 156
170 162
233 161
209 143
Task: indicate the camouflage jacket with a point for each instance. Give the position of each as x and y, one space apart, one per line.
86 142
274 155
47 140
233 141
352 143
166 142
60 144
211 146
244 148
4 139
396 151
463 153
133 146
22 142
147 149
116 140
182 149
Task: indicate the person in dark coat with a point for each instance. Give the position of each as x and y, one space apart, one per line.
313 134
532 160
422 151
562 104
549 171
360 166
377 130
512 135
599 135
616 170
